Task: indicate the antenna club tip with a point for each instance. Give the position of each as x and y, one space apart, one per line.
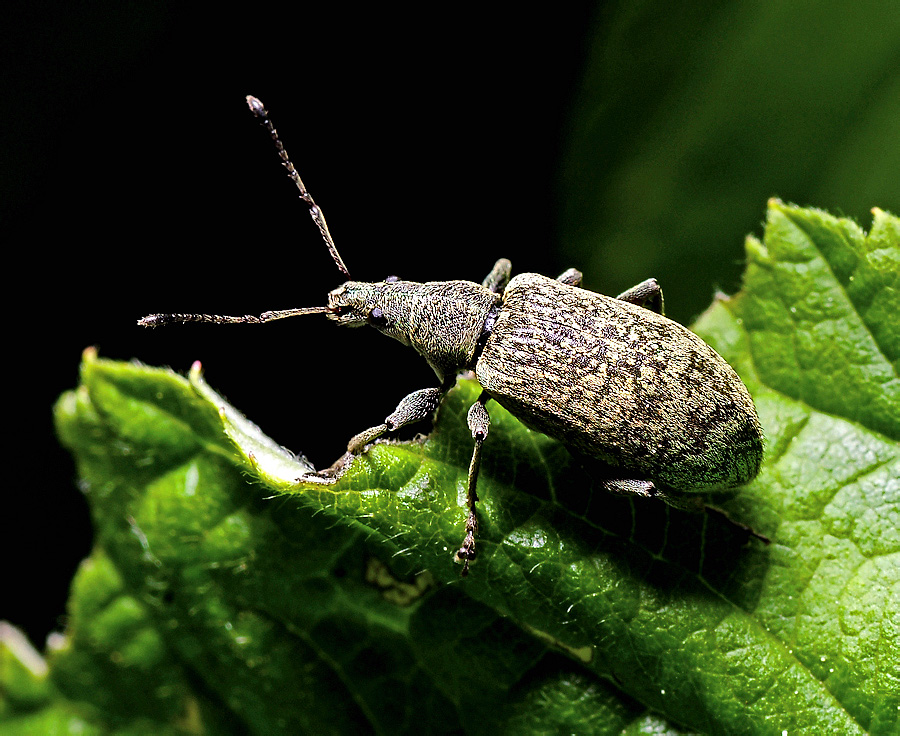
256 106
153 320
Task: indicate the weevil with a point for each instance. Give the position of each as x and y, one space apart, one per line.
612 378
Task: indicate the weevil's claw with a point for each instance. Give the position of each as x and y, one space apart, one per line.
465 556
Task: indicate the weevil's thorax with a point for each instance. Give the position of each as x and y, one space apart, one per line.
441 320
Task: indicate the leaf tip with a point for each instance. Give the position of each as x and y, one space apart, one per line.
15 640
755 248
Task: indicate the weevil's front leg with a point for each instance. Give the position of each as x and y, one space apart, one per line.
413 408
646 294
498 278
479 422
571 276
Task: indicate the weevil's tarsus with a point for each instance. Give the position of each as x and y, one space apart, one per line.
257 108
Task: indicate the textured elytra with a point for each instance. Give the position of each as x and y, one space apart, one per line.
620 383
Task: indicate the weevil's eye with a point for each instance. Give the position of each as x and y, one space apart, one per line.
376 317
391 279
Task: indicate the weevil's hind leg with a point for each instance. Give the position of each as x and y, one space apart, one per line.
498 278
691 502
413 408
622 487
479 422
648 489
646 294
571 276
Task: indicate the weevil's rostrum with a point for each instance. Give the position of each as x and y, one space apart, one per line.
637 394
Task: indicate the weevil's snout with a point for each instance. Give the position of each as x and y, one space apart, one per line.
357 303
383 305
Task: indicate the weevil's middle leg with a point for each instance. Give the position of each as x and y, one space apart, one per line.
498 278
571 276
412 408
646 294
479 422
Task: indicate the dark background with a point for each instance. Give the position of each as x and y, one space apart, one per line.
630 140
137 181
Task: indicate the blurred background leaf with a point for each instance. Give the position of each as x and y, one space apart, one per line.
690 115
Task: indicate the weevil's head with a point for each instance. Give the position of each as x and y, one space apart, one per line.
442 320
384 305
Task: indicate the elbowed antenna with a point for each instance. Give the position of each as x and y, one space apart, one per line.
257 108
160 320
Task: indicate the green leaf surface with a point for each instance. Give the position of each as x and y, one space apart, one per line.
222 585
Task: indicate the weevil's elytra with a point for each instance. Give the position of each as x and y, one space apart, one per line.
622 384
612 378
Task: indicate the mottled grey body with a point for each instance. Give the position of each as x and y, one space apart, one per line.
614 381
620 383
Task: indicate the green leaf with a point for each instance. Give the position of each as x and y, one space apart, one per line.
301 606
112 673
